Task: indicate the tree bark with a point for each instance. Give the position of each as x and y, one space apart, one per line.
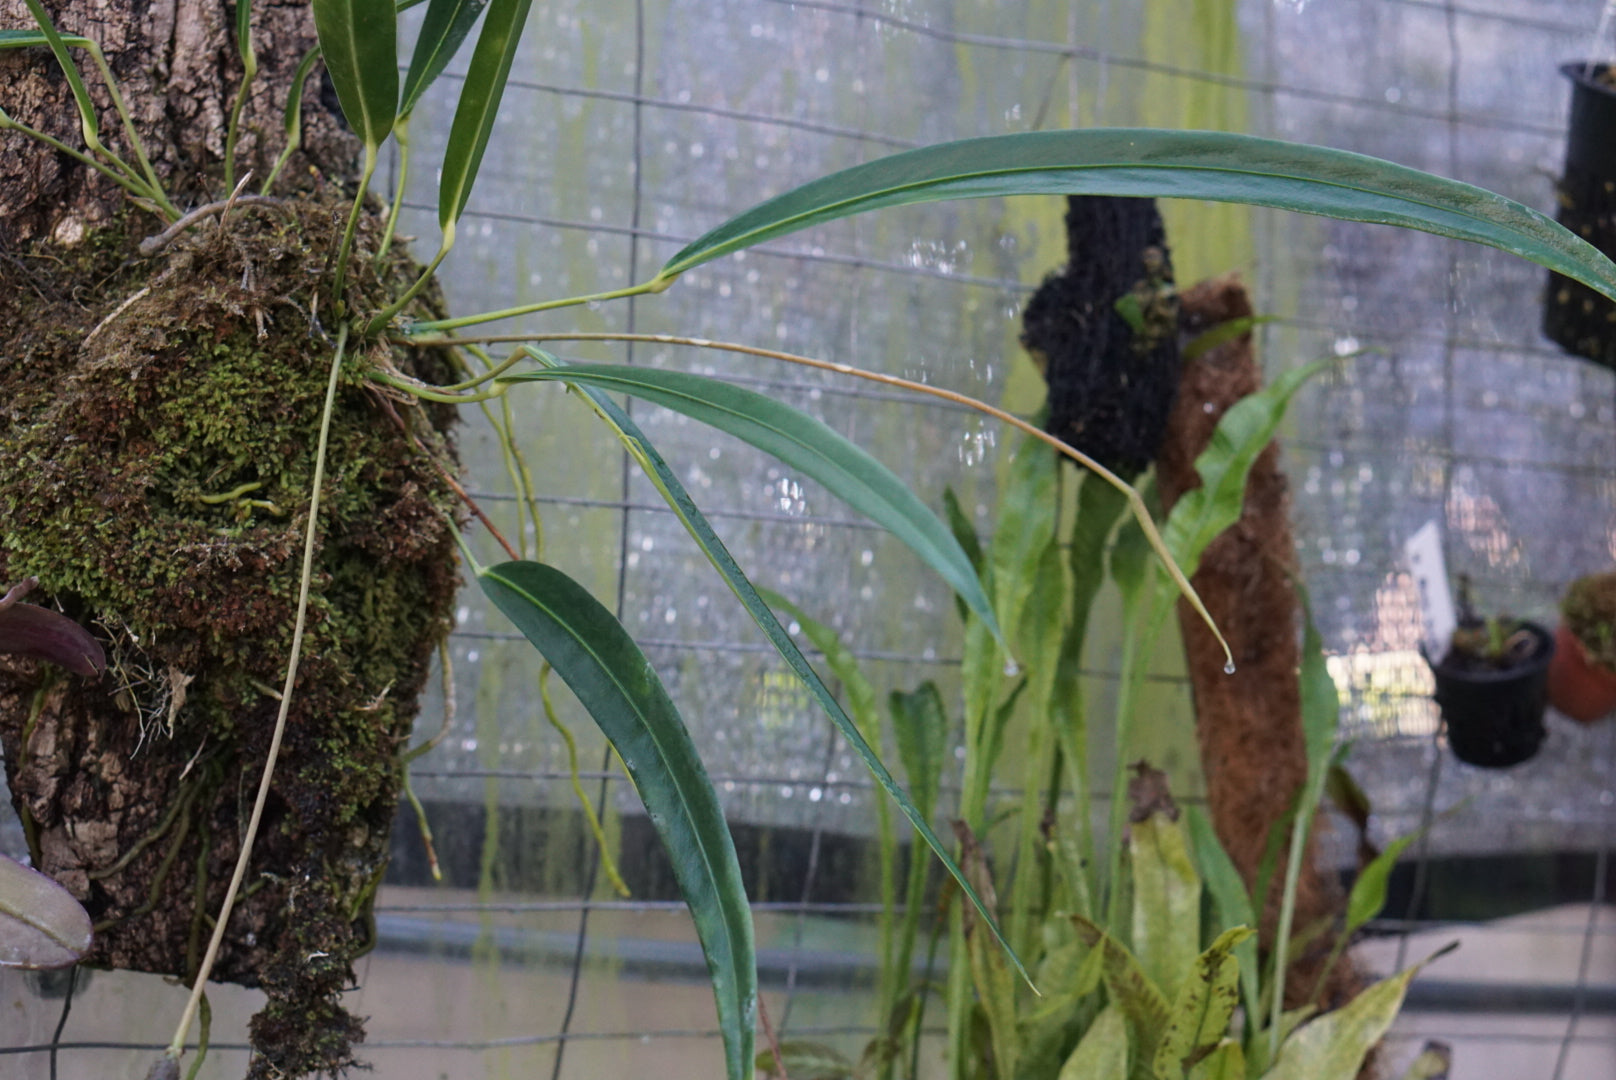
136 393
177 67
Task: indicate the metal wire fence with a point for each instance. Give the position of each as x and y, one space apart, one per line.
635 124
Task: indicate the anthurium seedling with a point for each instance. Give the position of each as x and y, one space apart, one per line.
41 925
30 630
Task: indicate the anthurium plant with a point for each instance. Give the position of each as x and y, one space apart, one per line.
259 296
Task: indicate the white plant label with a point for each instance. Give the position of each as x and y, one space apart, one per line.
1424 553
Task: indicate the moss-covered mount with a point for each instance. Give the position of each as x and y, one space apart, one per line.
158 419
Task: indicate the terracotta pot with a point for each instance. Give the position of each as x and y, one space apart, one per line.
1578 687
1495 717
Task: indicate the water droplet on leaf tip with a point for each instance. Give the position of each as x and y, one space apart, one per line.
1228 669
1011 669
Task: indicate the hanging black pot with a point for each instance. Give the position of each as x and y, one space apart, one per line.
1494 715
1575 317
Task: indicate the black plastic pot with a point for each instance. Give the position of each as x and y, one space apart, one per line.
1575 317
1495 717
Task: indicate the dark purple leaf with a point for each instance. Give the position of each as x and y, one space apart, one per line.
29 630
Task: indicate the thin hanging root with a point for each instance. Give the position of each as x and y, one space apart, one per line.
157 832
410 755
154 892
779 1070
606 862
447 667
426 829
1136 505
177 1045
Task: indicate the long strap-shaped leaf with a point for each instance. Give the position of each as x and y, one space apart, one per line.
446 25
592 652
1217 166
359 39
803 443
695 522
479 104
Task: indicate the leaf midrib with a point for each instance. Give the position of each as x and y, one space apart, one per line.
679 785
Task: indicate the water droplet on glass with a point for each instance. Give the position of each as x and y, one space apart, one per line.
1228 669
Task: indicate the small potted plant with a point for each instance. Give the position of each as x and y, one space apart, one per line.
1582 678
1492 686
1575 317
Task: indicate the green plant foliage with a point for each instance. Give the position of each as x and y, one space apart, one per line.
1141 1000
445 27
1368 894
479 106
1321 718
1205 1005
1226 1062
41 925
594 655
1103 1052
920 729
678 499
1025 528
990 972
1211 165
23 39
804 1060
1166 901
1332 1047
1229 898
803 443
81 95
359 40
1244 431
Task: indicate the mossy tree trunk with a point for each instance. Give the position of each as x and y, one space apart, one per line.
158 418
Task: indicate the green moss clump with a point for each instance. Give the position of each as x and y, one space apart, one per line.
1589 610
158 421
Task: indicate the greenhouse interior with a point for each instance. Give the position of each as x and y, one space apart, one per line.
1063 579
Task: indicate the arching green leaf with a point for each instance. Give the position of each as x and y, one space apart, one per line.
1242 434
479 103
359 40
803 443
594 655
1368 894
446 25
695 522
59 43
1332 1047
1212 165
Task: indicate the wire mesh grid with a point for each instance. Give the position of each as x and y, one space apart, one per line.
644 122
